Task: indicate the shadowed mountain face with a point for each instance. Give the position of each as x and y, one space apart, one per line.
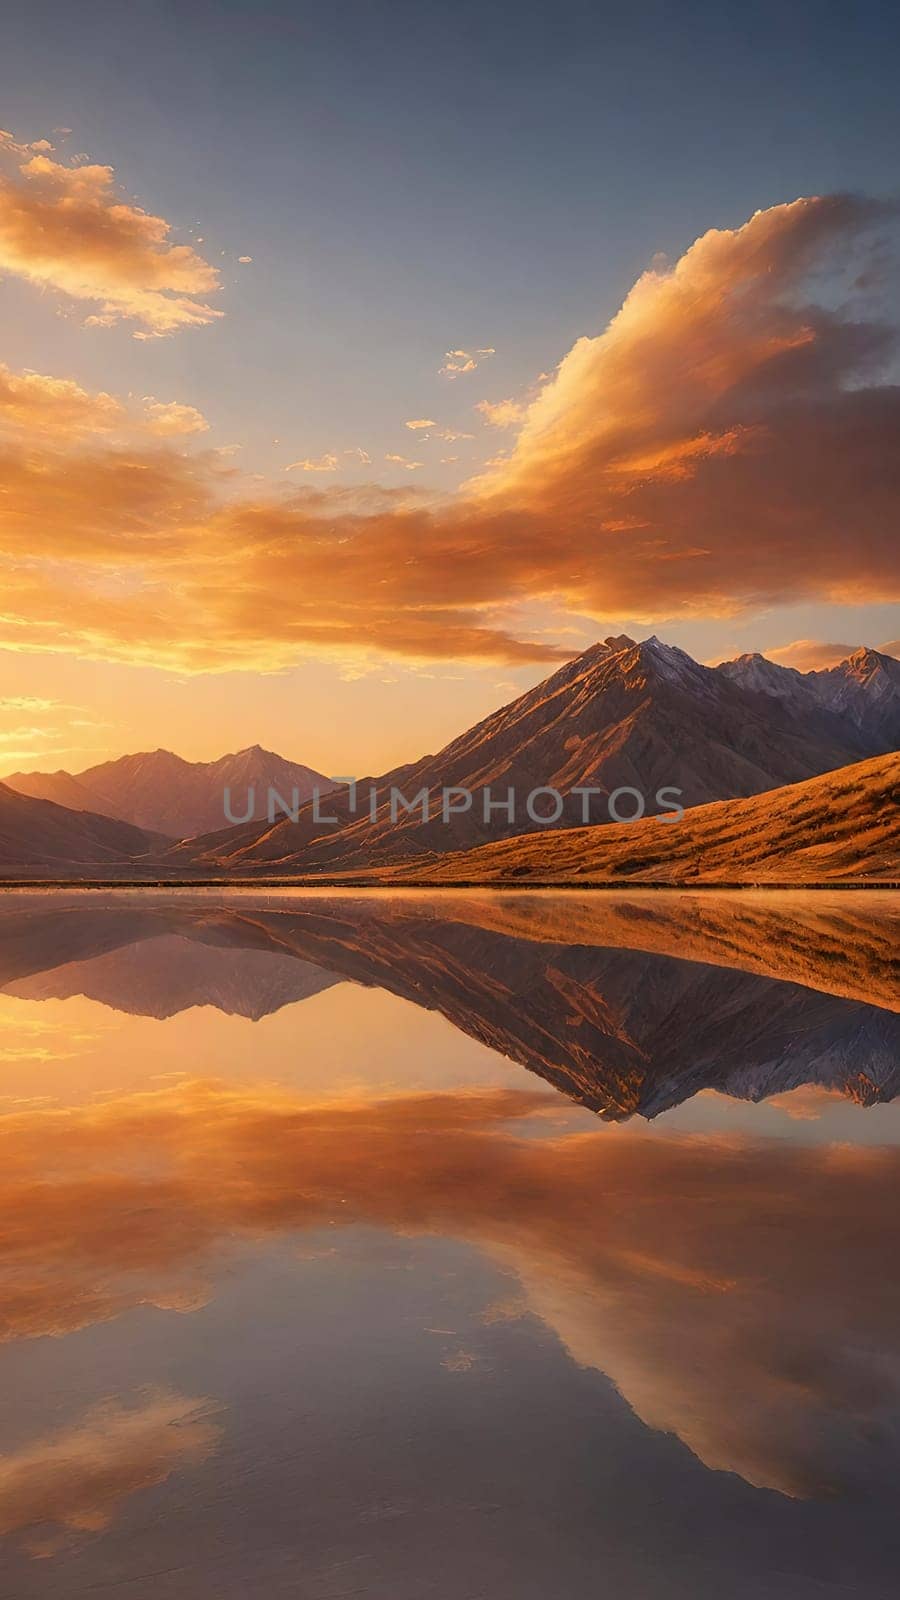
625 1005
864 690
41 834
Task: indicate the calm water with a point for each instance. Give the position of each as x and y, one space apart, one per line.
465 1247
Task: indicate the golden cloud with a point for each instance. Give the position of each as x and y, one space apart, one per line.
32 403
723 445
172 417
501 413
66 228
324 463
693 1271
811 655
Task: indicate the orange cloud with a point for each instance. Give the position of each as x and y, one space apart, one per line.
65 228
324 463
501 413
723 445
33 403
171 417
811 655
77 1478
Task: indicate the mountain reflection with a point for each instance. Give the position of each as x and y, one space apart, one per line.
628 1004
729 1294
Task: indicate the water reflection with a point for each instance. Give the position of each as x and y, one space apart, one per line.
287 1328
626 1004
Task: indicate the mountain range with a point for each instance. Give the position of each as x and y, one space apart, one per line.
642 716
645 716
166 794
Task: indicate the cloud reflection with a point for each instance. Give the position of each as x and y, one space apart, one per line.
735 1291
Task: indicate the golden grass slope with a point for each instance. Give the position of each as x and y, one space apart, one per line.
841 827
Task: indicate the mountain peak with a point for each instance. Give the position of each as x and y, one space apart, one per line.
865 659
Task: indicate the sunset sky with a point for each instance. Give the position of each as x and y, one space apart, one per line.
360 363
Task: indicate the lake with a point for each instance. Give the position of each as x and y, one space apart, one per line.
451 1246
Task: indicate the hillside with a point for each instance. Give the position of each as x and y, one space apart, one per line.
39 833
844 826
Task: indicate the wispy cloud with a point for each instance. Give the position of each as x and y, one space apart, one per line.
459 362
170 417
326 463
811 655
502 413
68 229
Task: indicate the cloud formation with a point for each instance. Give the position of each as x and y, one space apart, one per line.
811 655
727 443
32 403
458 362
66 228
324 463
502 413
171 418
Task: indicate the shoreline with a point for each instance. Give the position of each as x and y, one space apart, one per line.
605 886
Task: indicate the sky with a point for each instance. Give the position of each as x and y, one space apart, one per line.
358 364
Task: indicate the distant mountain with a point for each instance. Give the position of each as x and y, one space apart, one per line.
863 692
843 826
645 716
161 791
39 833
